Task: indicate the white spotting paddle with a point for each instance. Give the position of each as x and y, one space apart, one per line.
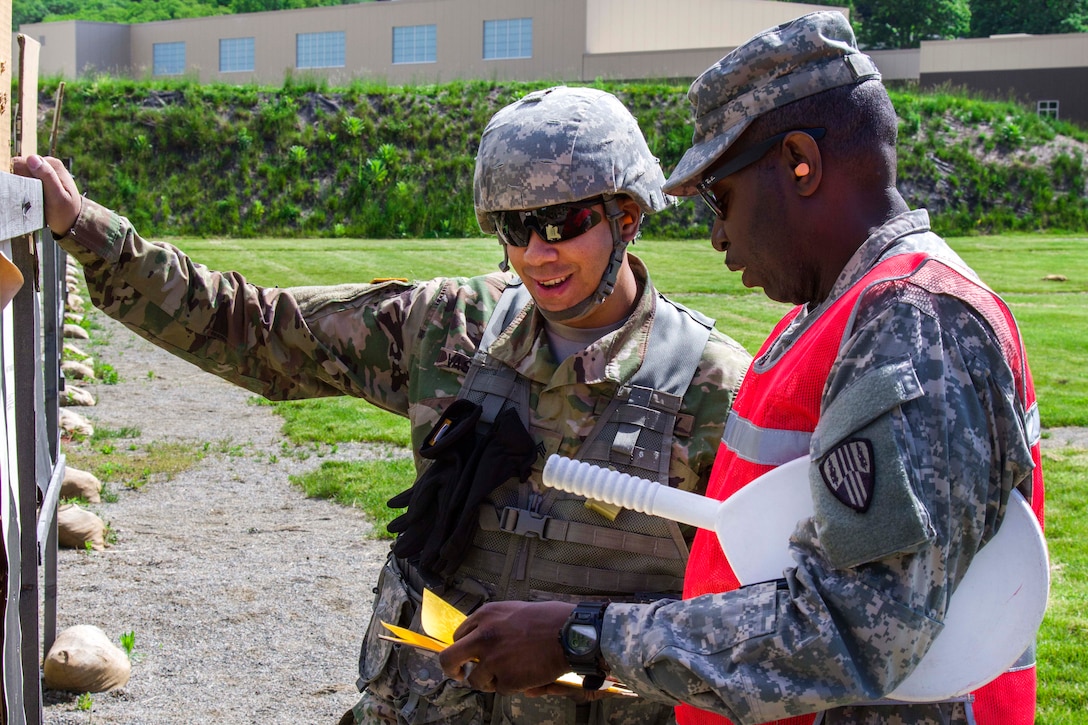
990 622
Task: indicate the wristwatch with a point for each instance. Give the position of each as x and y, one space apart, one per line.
581 641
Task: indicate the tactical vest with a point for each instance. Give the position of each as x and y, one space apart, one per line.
549 544
772 421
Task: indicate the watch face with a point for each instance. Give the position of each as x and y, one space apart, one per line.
581 638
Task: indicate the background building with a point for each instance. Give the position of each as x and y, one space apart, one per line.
435 41
1048 72
421 41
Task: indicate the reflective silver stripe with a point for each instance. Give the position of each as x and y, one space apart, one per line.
1024 661
764 446
967 699
1034 425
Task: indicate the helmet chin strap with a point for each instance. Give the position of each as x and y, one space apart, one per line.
614 214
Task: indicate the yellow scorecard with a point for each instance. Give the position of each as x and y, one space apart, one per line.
414 639
440 620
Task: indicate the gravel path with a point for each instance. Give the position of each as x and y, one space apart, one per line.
248 600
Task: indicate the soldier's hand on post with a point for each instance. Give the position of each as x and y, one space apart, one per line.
62 200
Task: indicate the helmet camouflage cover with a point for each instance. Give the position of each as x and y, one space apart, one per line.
564 144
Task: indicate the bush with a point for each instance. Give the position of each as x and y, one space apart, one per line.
180 158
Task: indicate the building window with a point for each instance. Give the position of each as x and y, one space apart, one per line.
235 54
1047 108
319 50
508 38
415 44
168 59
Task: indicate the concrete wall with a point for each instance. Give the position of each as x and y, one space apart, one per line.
368 29
105 47
898 65
1065 85
1005 52
682 65
70 48
1028 68
649 26
58 53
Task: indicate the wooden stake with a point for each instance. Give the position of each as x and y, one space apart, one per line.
59 101
5 165
6 67
27 123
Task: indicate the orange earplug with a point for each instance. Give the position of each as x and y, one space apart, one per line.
801 169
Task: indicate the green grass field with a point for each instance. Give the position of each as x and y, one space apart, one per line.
1053 315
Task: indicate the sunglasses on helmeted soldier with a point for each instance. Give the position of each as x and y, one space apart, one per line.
555 223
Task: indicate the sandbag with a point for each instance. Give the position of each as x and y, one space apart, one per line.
81 484
76 396
75 332
76 526
83 659
73 423
73 350
76 370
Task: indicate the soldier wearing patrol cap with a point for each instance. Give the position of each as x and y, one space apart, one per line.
898 375
577 354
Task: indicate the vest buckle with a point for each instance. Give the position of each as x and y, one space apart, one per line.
522 522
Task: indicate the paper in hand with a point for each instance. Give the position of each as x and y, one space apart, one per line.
440 620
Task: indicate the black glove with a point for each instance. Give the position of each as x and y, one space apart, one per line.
450 444
507 451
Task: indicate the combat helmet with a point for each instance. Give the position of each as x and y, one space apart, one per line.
561 145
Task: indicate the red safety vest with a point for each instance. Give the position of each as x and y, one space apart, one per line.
786 398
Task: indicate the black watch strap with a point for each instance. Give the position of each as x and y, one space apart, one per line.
581 642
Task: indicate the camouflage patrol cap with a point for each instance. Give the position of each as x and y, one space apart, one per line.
563 144
800 58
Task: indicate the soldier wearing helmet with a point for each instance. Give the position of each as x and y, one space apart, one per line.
561 149
573 352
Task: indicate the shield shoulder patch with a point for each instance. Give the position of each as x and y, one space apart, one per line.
848 472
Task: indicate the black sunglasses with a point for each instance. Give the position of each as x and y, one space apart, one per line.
556 223
741 161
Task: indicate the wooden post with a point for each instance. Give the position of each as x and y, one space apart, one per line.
28 377
6 67
27 123
7 648
21 215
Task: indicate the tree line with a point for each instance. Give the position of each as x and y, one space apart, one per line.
880 24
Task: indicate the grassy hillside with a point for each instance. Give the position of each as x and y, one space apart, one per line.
305 159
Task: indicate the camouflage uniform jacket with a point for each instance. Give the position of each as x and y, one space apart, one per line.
829 635
405 347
